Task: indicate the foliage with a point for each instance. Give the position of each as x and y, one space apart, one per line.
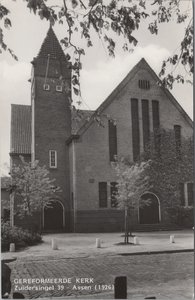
32 187
132 182
169 165
182 216
109 20
17 235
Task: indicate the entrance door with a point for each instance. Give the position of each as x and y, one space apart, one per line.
53 216
149 214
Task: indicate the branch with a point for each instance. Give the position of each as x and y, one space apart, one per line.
82 4
94 4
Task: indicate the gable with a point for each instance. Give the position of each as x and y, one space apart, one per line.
141 71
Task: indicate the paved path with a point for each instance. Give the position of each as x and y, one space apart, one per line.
82 245
163 275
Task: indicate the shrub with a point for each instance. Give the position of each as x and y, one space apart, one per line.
17 235
182 216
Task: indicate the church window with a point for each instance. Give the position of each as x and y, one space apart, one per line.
177 130
145 121
155 114
58 88
46 87
113 193
112 132
53 159
103 195
144 84
135 128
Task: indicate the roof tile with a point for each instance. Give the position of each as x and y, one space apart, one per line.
51 46
20 129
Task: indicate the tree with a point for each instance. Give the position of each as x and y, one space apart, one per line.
82 20
32 187
132 182
171 164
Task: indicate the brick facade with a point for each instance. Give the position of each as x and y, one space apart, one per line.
83 156
92 152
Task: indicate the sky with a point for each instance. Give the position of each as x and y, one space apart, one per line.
100 73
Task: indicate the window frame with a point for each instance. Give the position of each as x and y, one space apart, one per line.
50 159
106 193
46 87
59 88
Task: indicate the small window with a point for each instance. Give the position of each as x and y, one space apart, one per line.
46 87
53 159
58 88
103 194
144 84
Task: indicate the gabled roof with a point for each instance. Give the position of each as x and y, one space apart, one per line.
51 46
5 182
20 129
141 64
79 117
21 126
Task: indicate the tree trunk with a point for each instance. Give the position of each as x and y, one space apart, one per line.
41 220
126 240
12 209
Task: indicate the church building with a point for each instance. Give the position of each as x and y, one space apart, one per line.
79 153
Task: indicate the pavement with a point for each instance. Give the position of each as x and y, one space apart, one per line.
84 245
153 267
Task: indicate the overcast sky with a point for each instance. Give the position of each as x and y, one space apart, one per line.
100 73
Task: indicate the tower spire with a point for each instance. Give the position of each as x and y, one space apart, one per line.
51 46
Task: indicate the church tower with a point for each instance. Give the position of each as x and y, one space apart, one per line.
51 125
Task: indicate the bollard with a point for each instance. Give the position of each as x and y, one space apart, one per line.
136 240
98 243
54 244
12 247
172 239
120 287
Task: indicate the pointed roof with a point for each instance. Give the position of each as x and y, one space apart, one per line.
51 46
141 64
20 129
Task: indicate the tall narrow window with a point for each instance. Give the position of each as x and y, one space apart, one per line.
113 192
190 193
181 194
155 114
177 130
52 159
156 126
112 132
103 194
145 122
135 128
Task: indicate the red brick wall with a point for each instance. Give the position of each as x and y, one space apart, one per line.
92 151
53 126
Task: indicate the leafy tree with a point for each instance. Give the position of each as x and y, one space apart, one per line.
32 187
132 182
109 20
171 164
